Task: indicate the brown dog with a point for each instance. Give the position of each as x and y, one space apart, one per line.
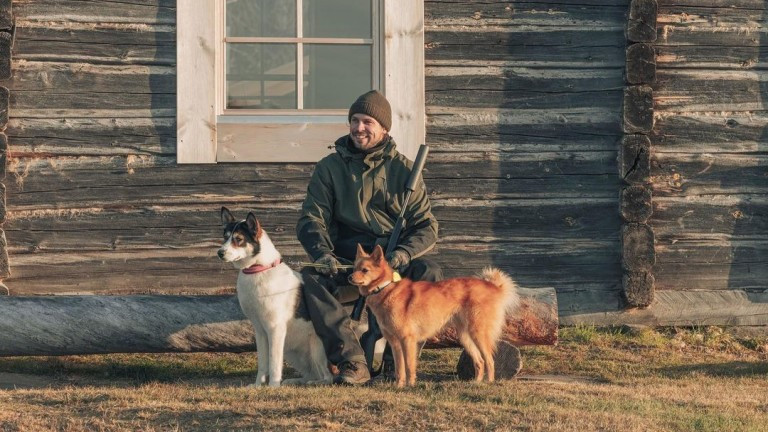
409 312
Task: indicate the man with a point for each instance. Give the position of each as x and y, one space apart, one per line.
355 196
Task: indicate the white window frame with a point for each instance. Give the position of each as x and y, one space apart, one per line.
206 135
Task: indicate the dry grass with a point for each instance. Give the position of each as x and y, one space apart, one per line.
596 379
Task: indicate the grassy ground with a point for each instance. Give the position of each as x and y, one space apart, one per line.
596 379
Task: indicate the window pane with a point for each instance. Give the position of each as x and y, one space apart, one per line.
337 18
334 75
261 18
261 76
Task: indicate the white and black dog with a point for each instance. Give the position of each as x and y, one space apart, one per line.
269 293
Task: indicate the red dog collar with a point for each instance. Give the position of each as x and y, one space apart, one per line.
258 268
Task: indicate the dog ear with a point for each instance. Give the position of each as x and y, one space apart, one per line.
226 216
378 253
253 225
361 252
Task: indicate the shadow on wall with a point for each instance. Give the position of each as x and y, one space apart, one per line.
558 131
749 240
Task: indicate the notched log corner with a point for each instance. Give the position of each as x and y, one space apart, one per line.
641 25
636 204
635 159
641 64
637 247
638 289
638 109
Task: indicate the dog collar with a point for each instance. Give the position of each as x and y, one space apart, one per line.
258 268
395 278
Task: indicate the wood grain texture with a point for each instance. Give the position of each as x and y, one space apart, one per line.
641 64
637 247
638 288
682 308
637 109
641 25
635 204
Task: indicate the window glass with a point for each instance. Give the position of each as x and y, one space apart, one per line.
261 18
337 18
334 75
261 76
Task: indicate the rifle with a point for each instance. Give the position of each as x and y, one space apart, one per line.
373 334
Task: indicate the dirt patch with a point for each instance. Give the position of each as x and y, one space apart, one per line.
11 381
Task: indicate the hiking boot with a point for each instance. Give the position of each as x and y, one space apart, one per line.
353 373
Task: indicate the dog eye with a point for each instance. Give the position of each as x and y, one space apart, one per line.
365 270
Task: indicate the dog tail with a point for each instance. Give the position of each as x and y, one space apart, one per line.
505 282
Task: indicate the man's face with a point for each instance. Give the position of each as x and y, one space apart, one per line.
366 132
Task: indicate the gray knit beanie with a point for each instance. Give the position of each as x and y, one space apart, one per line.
375 105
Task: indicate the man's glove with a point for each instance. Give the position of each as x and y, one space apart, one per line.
329 265
398 259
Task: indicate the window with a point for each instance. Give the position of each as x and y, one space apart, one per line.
272 80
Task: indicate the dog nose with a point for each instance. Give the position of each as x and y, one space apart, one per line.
349 279
220 253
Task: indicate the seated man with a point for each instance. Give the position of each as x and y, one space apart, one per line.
355 196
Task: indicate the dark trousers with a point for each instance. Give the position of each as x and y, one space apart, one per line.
330 320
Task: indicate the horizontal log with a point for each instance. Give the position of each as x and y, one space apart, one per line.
136 12
67 325
502 77
47 183
123 229
696 249
520 99
681 308
558 55
54 77
567 264
725 15
581 14
517 139
709 90
744 216
704 57
527 37
683 174
711 276
711 37
730 132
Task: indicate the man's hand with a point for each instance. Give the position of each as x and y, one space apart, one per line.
328 265
398 259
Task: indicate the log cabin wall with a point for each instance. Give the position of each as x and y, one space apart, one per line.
523 104
709 168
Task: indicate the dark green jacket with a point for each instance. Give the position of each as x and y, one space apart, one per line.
354 197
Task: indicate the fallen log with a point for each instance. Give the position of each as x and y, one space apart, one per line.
69 325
